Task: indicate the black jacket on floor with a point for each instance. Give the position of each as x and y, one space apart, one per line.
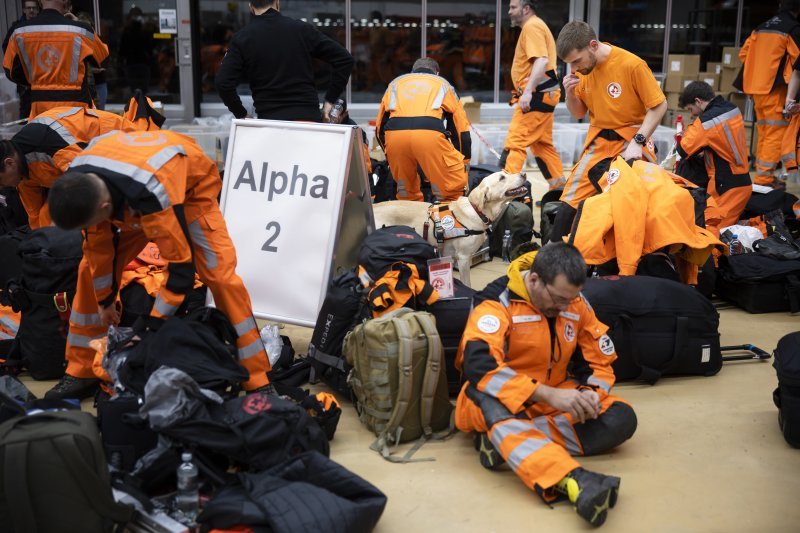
274 54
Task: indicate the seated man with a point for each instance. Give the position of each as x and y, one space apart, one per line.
417 143
131 188
520 398
719 136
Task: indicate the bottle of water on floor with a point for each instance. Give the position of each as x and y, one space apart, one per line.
187 500
506 249
736 246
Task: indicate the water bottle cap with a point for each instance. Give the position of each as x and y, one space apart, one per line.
507 232
735 236
186 457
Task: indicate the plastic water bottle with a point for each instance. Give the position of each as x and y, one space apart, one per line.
273 344
736 247
336 113
506 249
188 497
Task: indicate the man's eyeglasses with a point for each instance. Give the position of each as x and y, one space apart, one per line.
559 300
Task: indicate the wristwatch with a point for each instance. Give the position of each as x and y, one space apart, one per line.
640 139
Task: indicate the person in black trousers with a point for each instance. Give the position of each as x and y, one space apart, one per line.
274 54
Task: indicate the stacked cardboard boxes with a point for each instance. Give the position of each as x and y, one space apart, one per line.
730 69
681 71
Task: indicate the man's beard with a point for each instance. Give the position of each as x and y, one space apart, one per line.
592 64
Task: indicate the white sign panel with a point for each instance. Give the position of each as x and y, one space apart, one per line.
283 196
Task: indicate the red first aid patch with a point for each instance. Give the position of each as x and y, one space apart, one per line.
256 403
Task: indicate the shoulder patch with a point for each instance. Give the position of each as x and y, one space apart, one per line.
489 324
606 345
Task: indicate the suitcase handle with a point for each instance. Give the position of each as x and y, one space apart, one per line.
754 353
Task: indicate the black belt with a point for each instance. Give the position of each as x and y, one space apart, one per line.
610 135
59 95
415 123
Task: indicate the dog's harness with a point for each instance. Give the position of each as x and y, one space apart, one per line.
446 226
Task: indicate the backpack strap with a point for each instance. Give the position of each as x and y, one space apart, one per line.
651 374
90 482
15 480
433 368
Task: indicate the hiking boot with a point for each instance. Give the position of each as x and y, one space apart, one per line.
591 493
489 456
70 387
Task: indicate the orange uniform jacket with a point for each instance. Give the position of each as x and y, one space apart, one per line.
642 210
509 347
772 49
49 143
48 54
422 101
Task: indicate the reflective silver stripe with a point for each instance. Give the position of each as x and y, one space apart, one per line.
5 336
765 164
506 429
9 324
103 282
163 157
199 238
763 173
599 383
392 97
101 137
772 123
497 381
76 59
524 450
543 425
565 428
52 28
787 157
735 150
91 112
85 319
81 341
437 103
245 325
251 349
776 32
505 298
57 127
720 119
557 182
578 173
24 55
163 308
145 177
69 112
39 157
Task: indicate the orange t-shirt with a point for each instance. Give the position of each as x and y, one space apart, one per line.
619 91
535 40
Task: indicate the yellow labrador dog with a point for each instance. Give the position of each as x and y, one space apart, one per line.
475 212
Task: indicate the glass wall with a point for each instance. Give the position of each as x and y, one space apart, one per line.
637 26
463 44
386 40
702 27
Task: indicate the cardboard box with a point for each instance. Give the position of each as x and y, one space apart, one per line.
683 64
672 100
710 78
739 100
675 83
716 68
726 80
730 57
472 109
672 114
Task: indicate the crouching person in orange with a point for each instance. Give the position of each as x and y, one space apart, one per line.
411 129
524 405
127 189
719 135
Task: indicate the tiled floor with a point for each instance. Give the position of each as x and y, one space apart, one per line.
707 456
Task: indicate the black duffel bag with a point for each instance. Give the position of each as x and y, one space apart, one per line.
758 283
43 294
386 246
658 326
787 395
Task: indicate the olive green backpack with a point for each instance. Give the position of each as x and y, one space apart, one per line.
398 379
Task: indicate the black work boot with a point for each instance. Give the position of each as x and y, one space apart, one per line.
591 493
70 387
489 456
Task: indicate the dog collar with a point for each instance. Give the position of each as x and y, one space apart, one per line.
484 218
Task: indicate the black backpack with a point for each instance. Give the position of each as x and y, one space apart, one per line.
339 314
787 395
43 294
386 246
12 213
517 218
55 477
550 204
384 188
658 326
308 492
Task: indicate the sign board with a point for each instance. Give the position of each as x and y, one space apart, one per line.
296 201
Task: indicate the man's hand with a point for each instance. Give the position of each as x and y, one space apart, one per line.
791 108
570 81
525 101
633 151
581 405
109 316
326 111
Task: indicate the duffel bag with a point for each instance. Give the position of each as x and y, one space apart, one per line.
787 395
759 284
